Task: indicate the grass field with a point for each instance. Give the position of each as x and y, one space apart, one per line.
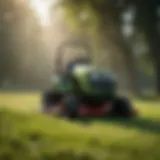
37 137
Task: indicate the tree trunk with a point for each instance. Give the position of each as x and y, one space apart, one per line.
157 69
149 26
154 39
122 59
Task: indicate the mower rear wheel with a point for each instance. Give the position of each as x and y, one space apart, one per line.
122 107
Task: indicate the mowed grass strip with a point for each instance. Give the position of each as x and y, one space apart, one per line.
38 137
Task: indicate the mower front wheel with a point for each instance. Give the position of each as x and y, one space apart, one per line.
72 104
51 103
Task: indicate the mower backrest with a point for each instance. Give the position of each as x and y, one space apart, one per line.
70 67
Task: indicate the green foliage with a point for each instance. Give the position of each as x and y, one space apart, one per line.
91 13
80 15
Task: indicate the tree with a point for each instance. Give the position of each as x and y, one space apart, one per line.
104 18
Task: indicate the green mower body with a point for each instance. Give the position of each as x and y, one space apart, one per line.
89 80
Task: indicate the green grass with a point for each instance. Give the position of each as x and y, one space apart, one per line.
28 135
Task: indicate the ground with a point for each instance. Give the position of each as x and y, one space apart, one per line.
34 136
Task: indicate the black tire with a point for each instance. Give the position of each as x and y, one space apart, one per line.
122 108
50 99
72 104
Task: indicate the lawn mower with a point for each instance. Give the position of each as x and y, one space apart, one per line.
83 90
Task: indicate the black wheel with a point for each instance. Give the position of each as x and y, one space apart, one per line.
50 100
122 108
72 104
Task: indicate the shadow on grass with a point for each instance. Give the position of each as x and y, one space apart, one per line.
142 124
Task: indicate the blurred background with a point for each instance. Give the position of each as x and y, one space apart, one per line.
124 36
